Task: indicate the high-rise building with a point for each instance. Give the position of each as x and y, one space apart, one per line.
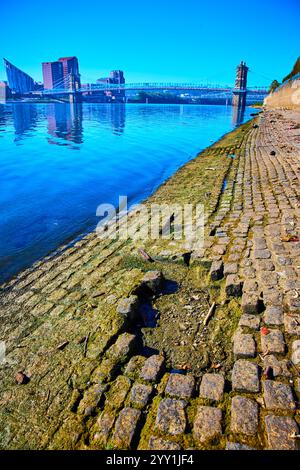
117 76
18 81
71 72
52 75
63 73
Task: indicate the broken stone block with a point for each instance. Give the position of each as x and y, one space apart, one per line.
279 431
230 268
260 243
248 273
250 303
261 254
134 366
272 297
106 371
171 417
296 352
280 368
156 443
284 261
233 286
244 416
245 376
140 395
207 424
244 345
250 285
273 315
268 278
126 428
153 368
273 342
266 265
180 386
278 396
118 392
292 323
122 348
153 280
219 250
104 425
250 321
212 386
233 258
91 399
129 307
216 270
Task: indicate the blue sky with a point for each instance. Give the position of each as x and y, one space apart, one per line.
154 40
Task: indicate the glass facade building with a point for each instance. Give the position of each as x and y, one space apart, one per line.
63 73
18 81
52 75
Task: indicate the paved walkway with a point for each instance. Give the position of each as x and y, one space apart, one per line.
87 382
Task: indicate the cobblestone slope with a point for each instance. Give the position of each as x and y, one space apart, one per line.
199 349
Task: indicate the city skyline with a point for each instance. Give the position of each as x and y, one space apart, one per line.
161 43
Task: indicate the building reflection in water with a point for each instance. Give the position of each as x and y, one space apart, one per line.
118 117
25 118
109 116
65 120
2 119
238 113
65 124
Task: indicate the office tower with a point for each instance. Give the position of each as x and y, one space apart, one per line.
53 75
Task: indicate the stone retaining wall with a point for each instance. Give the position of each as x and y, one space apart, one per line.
288 96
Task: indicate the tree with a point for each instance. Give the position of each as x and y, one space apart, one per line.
275 84
295 71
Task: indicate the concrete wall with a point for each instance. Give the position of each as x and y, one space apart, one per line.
288 96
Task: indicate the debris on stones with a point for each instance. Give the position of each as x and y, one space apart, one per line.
210 313
62 345
21 378
85 344
264 331
145 255
290 238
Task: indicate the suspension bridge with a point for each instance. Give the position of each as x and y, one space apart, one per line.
67 86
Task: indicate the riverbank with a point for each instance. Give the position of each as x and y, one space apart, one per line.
93 384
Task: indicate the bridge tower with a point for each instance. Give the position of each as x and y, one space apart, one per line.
239 92
73 85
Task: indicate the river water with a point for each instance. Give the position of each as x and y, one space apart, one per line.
58 162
